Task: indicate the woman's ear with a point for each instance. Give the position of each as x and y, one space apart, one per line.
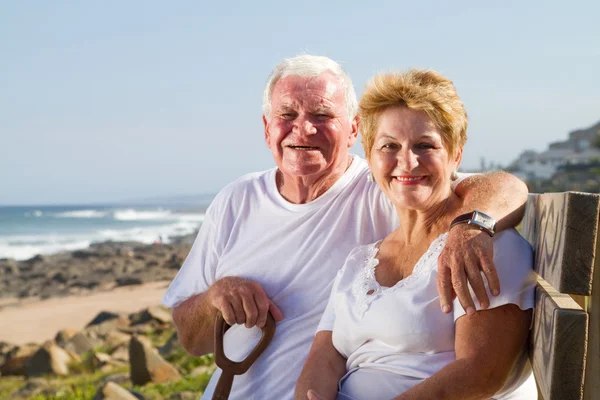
458 158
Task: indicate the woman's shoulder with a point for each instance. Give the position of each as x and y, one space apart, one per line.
359 258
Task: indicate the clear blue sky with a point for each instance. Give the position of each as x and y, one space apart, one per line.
112 100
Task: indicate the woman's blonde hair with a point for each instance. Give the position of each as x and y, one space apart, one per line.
424 90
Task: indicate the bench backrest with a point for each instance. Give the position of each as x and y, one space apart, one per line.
563 231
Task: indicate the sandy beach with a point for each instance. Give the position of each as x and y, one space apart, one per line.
24 321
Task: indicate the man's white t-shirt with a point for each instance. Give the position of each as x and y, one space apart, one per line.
294 251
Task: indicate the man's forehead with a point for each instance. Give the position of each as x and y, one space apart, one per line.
326 84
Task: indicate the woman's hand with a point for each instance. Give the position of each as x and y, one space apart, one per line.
468 251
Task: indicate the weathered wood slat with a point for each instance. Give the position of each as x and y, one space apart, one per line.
562 228
558 344
592 374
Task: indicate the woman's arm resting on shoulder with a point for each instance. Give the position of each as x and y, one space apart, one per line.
487 345
469 251
322 370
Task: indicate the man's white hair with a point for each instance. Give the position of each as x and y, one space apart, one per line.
307 65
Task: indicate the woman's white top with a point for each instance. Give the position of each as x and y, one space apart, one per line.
395 337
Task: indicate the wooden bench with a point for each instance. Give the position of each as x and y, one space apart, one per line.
565 339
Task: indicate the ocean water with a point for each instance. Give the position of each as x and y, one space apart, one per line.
28 231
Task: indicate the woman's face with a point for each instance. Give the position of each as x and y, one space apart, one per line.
409 160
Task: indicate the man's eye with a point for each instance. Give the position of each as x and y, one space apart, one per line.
288 115
323 116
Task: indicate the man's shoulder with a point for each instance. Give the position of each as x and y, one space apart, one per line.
249 181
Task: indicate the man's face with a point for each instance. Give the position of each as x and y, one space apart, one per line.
309 131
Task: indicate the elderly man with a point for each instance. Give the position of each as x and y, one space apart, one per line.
274 240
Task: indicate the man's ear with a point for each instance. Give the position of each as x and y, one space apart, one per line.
354 132
266 124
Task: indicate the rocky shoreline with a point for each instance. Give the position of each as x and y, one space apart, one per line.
117 355
100 267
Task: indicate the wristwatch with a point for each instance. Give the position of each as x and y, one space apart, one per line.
480 220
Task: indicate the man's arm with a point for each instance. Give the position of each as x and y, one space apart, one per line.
498 194
469 251
195 323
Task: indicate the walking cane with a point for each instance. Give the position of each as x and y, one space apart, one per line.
230 368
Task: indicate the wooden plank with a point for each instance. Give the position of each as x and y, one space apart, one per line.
592 374
558 344
562 229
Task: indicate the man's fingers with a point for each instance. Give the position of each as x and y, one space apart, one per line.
262 307
459 283
238 309
227 312
491 275
275 311
250 308
444 283
478 285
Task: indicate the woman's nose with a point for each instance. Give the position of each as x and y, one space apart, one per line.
408 160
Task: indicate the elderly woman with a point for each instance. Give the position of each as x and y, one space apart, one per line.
382 335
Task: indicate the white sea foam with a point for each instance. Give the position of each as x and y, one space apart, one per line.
22 247
136 215
35 213
81 214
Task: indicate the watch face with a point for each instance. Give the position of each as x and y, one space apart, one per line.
484 220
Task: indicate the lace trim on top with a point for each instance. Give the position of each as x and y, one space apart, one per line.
365 287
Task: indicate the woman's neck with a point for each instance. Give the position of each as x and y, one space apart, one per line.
418 225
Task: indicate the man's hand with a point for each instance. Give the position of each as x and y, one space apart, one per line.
242 301
468 251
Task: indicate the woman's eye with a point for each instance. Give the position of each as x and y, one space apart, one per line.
425 146
389 146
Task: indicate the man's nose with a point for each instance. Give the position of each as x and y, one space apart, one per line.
305 127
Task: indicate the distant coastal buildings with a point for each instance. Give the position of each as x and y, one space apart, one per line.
573 164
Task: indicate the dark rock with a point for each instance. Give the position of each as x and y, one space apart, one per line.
80 343
49 359
128 280
36 260
146 365
17 359
83 254
63 336
171 345
160 313
59 277
115 339
102 317
112 391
